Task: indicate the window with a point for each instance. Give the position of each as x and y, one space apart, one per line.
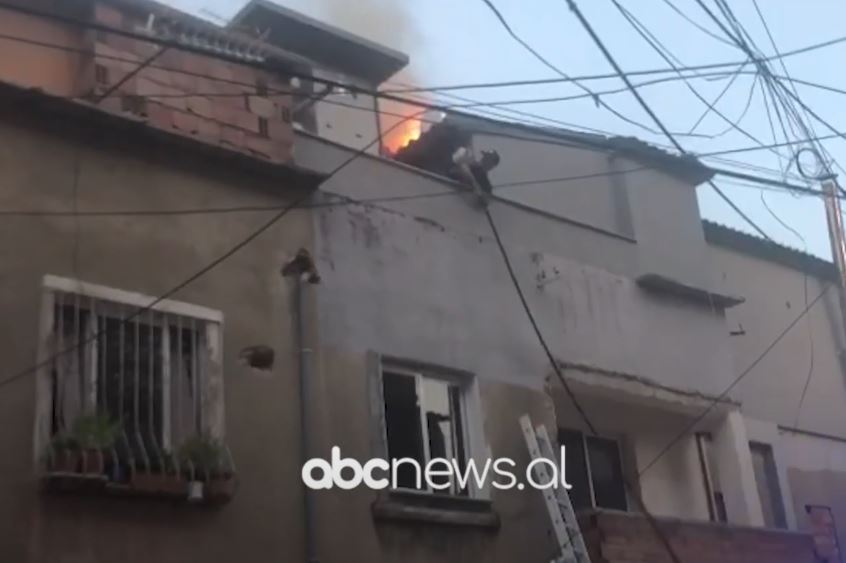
424 419
264 127
711 479
766 478
595 470
155 374
101 75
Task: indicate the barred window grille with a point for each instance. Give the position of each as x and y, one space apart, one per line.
147 373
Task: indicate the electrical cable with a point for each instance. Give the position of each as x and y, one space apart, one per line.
596 98
416 102
654 117
659 48
701 28
684 432
205 269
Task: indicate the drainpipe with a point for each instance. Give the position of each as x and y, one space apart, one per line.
302 269
305 394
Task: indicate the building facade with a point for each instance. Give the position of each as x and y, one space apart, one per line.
414 343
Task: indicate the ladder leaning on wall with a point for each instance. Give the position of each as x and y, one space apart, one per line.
568 536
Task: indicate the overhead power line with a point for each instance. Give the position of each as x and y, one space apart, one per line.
624 77
541 81
208 267
597 99
418 103
722 396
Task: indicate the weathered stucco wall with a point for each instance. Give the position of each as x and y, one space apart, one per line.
810 457
44 170
775 296
619 196
423 279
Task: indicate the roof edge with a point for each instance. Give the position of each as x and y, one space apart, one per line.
727 237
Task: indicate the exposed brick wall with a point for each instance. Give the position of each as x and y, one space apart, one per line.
614 537
228 113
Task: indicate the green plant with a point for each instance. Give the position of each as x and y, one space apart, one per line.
204 454
94 432
64 441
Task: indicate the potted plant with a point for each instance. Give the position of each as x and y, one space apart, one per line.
161 478
95 436
63 454
203 458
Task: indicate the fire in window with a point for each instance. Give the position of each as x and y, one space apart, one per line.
424 420
595 470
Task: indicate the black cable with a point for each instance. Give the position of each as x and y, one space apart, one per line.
541 81
690 20
654 117
597 99
751 181
633 491
416 102
207 268
659 48
737 380
720 97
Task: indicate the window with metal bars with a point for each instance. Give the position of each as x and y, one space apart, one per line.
148 372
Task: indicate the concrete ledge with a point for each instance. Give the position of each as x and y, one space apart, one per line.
431 509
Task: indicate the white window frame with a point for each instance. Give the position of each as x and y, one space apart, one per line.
471 418
211 393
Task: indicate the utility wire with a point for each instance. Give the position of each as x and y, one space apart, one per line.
207 268
351 87
414 102
748 181
695 24
654 117
596 98
684 432
657 47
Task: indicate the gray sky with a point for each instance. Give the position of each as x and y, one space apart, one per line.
459 41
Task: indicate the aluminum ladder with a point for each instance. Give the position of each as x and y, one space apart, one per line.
568 536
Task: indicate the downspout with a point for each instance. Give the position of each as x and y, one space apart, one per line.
305 376
304 272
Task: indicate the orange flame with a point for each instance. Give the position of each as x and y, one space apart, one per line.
403 135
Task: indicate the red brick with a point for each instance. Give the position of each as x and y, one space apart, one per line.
186 122
232 136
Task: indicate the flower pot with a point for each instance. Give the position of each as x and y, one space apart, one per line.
221 488
65 461
93 461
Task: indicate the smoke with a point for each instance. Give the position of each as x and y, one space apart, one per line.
388 22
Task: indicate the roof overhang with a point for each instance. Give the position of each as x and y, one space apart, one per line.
332 47
658 283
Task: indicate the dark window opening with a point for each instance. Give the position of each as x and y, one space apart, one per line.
264 128
769 491
595 470
101 74
424 420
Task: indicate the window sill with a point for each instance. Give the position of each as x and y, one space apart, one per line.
436 510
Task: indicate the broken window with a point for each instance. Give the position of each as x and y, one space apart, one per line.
144 370
769 491
595 470
424 420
